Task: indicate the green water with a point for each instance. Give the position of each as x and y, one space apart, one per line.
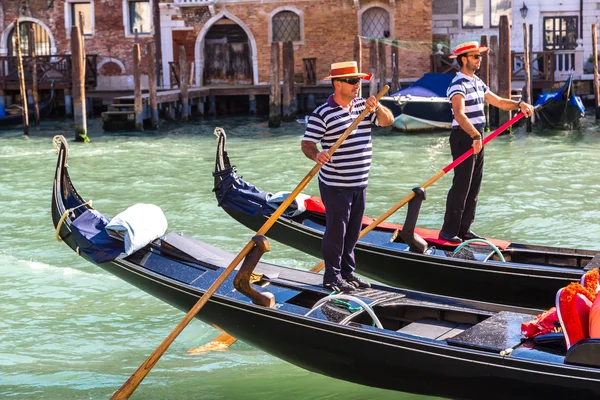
68 330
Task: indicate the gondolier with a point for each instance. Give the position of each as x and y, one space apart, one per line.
344 177
467 94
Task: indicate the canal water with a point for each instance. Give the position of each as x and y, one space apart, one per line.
68 330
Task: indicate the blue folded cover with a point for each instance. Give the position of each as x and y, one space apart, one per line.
239 195
93 240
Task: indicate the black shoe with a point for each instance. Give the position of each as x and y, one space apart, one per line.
448 238
471 235
357 282
339 286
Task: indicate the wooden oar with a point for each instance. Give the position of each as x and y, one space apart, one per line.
134 381
220 343
434 178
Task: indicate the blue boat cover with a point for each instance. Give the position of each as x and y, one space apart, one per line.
93 240
558 96
430 85
239 195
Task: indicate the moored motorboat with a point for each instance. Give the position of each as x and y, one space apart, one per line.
515 273
563 109
382 337
422 106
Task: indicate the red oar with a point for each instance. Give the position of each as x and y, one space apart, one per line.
434 178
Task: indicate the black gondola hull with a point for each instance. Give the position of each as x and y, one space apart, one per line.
356 352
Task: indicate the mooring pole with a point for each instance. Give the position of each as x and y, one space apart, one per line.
152 85
21 73
275 94
596 86
79 109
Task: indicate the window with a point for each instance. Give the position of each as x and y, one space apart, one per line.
376 23
472 13
479 14
499 8
286 27
140 16
560 33
85 10
29 32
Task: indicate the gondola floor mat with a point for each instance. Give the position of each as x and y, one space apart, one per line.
497 333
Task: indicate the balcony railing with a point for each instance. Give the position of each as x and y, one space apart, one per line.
57 69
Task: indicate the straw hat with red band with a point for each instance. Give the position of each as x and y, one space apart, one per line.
467 47
347 69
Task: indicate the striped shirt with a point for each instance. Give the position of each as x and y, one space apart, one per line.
349 166
473 90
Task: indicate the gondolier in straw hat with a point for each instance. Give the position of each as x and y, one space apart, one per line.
344 176
467 93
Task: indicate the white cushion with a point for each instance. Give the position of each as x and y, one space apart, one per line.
137 226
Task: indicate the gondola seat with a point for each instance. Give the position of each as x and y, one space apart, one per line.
434 329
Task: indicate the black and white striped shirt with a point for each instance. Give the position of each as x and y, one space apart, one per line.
473 90
349 166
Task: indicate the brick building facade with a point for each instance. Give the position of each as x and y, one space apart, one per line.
235 33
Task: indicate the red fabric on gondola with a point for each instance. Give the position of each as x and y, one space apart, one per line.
573 304
595 319
540 325
315 205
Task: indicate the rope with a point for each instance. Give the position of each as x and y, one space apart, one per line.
64 216
419 47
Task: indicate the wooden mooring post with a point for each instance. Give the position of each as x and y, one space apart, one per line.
395 57
382 65
289 107
79 112
21 73
493 84
184 84
275 93
484 74
357 51
373 68
137 89
152 85
34 78
526 65
596 85
504 66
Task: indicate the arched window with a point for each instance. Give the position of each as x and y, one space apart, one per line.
30 33
376 23
286 27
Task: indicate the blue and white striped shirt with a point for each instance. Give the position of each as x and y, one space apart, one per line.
473 90
349 166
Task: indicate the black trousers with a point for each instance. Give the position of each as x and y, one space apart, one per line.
344 209
463 195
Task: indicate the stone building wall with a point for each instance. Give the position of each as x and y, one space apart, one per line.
329 29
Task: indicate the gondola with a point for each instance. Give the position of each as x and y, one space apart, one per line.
564 111
422 106
528 275
381 337
45 108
